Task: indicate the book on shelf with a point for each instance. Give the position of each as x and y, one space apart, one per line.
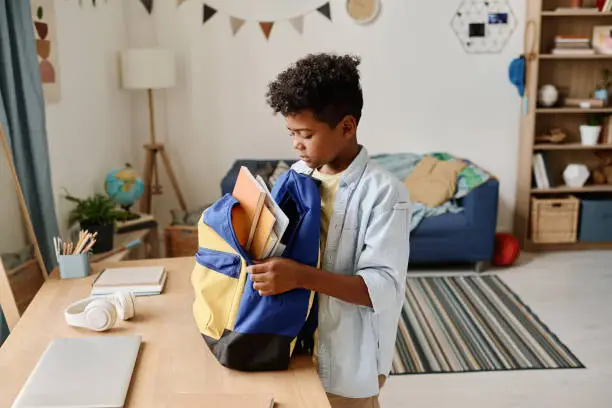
578 10
541 174
585 103
606 137
573 51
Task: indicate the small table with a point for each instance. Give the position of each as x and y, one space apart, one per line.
175 369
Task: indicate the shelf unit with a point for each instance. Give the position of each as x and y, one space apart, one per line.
575 76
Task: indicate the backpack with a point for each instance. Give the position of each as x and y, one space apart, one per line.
244 330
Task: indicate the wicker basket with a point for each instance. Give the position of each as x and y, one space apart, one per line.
554 220
181 240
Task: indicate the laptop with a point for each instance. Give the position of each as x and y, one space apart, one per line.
88 372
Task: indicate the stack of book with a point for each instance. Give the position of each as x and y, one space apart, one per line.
259 222
572 45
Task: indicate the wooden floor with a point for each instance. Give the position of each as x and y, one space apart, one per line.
571 292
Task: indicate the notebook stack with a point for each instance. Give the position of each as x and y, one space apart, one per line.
258 221
572 45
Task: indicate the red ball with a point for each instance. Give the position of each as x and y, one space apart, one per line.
507 249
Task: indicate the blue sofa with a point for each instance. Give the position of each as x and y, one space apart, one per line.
465 237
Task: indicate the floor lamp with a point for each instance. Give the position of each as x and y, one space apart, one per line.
149 69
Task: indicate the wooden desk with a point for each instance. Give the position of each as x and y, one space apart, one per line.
174 363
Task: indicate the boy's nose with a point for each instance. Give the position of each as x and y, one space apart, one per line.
298 146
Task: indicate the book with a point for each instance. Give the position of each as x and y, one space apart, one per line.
139 280
241 225
607 137
264 228
251 197
584 103
194 400
271 245
577 9
282 221
539 170
573 51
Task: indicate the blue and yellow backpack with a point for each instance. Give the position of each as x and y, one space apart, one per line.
244 330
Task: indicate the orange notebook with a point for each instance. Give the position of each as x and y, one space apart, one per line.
263 230
241 225
251 197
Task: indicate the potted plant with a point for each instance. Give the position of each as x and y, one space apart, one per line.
589 133
601 92
97 214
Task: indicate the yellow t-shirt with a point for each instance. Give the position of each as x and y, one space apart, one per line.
328 189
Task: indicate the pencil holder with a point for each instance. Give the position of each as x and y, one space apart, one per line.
74 266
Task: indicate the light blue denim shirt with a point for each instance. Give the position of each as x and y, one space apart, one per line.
368 236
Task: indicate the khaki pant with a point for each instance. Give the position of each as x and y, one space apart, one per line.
337 401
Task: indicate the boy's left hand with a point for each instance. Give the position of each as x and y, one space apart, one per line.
274 276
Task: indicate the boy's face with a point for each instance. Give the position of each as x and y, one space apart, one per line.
315 141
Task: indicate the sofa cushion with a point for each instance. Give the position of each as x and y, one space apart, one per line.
443 224
433 182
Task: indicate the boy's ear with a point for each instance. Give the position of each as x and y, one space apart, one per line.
349 126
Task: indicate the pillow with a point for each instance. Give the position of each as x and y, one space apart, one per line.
433 182
280 169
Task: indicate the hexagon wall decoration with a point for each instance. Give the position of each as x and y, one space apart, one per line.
484 26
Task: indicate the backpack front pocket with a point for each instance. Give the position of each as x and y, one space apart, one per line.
216 279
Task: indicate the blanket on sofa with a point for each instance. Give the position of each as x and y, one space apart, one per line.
402 164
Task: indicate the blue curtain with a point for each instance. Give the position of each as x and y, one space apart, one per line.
22 115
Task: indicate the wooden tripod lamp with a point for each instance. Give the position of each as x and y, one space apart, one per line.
149 69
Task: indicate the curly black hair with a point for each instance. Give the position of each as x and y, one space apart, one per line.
326 84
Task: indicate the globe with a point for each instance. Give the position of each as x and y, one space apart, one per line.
124 186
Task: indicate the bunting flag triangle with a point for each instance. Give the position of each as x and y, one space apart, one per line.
266 27
298 24
208 13
148 4
179 2
236 24
325 10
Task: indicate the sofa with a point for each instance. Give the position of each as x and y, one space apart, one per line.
464 237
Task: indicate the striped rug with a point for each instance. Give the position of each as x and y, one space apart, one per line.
462 324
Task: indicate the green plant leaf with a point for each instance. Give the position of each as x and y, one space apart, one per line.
39 12
96 210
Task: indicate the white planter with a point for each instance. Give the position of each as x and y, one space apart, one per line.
589 135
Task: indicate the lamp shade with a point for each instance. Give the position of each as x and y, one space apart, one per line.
147 68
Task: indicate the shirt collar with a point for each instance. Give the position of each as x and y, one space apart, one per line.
351 175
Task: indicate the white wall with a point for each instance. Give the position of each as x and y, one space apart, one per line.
423 93
89 129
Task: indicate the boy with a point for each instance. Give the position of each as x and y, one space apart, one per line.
364 233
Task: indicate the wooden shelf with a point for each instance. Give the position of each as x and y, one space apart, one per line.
575 76
566 189
571 146
575 14
570 246
574 110
597 57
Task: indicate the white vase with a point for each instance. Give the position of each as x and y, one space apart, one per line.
589 135
548 95
576 175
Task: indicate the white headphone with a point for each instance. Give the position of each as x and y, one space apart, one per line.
100 313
